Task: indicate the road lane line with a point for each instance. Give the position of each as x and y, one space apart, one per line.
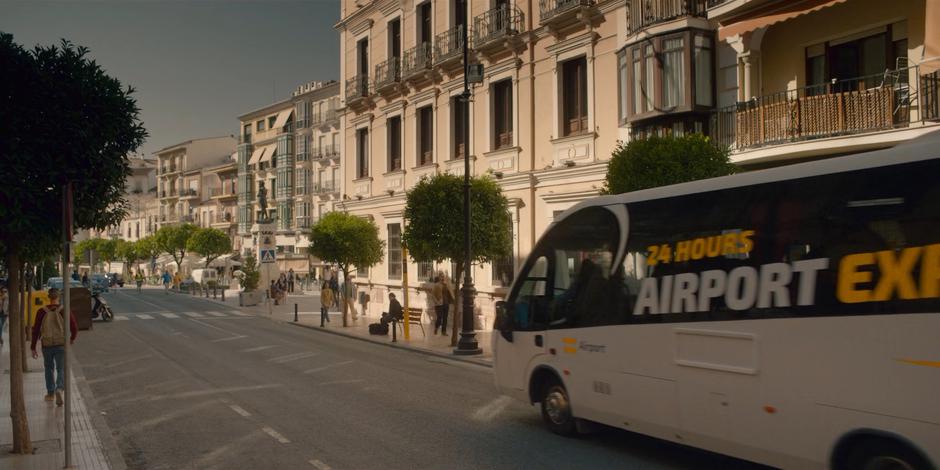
170 315
144 316
120 317
292 357
276 435
320 465
211 391
194 315
142 425
339 382
117 376
259 348
126 361
240 410
492 409
231 338
215 314
226 450
321 369
238 314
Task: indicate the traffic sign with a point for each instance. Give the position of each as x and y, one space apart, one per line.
268 256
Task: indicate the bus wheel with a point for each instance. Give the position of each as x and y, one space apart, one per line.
884 454
556 409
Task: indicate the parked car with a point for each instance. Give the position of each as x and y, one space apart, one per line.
206 276
57 283
116 279
99 282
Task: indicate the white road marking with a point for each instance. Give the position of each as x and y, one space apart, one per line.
197 393
216 314
320 369
259 348
228 339
126 361
116 376
292 357
144 316
194 315
225 450
120 317
276 435
492 409
238 314
320 465
240 410
338 382
170 315
140 426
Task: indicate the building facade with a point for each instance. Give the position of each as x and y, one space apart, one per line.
291 149
540 120
180 169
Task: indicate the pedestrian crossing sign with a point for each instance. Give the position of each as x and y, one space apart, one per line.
268 256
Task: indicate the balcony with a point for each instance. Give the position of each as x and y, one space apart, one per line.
188 193
331 151
357 90
646 13
301 123
448 46
223 219
558 14
416 62
496 29
169 194
841 108
221 193
301 156
388 75
325 188
168 169
244 139
187 219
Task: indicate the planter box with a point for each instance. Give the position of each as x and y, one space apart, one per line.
249 299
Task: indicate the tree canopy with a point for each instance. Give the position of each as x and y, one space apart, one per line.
64 120
173 239
346 240
209 243
660 161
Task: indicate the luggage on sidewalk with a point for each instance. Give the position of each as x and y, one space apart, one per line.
378 329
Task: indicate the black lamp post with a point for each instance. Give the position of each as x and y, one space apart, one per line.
467 344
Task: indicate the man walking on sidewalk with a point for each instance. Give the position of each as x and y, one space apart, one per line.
50 329
326 301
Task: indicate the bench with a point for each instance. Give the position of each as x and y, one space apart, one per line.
413 317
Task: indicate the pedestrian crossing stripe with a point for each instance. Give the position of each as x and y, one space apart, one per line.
170 315
216 314
144 316
120 317
194 315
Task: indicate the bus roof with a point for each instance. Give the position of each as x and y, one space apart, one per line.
925 147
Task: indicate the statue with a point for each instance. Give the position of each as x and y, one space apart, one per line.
263 202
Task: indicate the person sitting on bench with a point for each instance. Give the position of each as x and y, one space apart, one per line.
395 312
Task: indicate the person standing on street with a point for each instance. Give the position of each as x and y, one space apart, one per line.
334 286
85 279
290 280
326 301
447 298
166 282
139 279
4 311
50 330
177 280
436 298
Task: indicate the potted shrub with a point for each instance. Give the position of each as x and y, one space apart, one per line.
248 277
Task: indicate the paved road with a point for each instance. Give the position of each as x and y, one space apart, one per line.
186 383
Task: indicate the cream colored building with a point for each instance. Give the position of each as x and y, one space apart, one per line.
543 121
293 149
180 175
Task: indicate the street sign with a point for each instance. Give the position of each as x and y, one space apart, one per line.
268 256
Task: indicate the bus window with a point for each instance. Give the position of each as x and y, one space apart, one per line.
529 310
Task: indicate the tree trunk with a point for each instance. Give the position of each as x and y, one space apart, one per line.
21 441
27 291
342 296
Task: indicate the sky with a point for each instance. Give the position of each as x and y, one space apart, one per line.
197 64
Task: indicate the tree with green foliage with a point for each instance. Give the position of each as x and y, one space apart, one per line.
250 275
434 221
660 161
209 243
346 241
126 251
64 120
147 249
107 251
172 239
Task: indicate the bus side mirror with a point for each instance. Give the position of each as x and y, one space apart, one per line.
503 321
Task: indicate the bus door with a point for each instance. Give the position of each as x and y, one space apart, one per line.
522 320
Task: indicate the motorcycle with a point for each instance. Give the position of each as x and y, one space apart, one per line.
100 308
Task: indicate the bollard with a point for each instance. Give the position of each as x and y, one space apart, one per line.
394 331
223 295
295 313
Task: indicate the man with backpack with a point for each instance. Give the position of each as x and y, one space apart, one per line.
50 330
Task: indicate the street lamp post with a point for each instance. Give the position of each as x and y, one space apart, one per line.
467 344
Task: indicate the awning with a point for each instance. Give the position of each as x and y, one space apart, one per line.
268 153
766 17
223 261
282 118
256 156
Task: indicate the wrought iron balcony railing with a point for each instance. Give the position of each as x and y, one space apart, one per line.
448 45
552 9
646 13
416 60
496 24
387 73
357 87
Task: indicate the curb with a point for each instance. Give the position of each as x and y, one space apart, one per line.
109 444
426 352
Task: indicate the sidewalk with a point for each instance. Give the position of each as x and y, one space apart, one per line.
46 423
308 308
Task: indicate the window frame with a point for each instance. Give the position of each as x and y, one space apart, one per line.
394 143
502 112
424 147
574 108
362 152
395 268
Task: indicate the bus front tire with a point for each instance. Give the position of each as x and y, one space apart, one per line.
556 410
883 454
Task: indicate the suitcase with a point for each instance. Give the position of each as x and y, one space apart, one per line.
378 329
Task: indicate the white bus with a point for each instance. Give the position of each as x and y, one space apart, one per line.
788 316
